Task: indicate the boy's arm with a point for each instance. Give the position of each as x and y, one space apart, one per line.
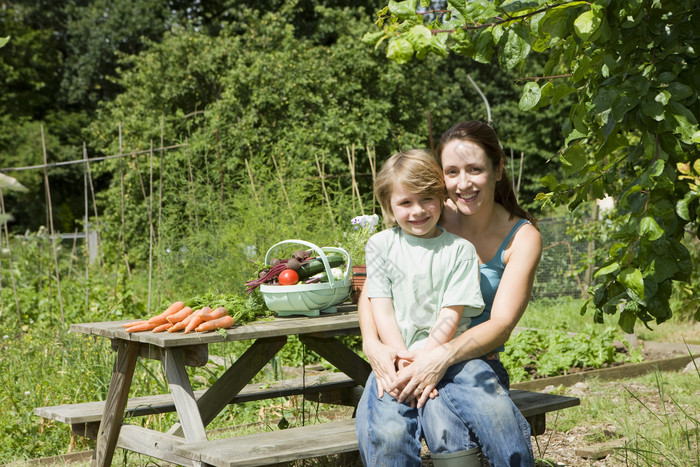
385 320
445 326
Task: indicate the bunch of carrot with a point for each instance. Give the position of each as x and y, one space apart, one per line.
178 317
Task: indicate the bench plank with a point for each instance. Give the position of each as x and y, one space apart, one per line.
87 412
275 446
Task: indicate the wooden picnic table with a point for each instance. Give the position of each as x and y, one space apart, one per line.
176 350
186 443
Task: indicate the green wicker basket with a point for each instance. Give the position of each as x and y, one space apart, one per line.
309 299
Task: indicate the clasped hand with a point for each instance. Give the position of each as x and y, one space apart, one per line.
410 377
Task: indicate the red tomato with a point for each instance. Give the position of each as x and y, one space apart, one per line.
288 277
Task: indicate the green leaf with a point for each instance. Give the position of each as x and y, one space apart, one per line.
573 159
627 321
511 6
516 46
679 91
400 50
531 96
587 24
560 91
483 46
632 279
687 124
4 41
611 268
649 229
371 38
420 37
404 10
653 108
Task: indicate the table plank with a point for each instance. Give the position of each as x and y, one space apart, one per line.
344 321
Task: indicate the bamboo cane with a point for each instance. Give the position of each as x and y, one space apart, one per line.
252 184
122 232
372 157
190 178
150 229
355 188
322 176
53 238
284 190
12 274
100 256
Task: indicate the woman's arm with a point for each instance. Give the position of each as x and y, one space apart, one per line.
512 297
445 326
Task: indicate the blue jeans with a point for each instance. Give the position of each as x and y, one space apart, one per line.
473 408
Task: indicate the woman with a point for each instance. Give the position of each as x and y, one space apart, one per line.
472 407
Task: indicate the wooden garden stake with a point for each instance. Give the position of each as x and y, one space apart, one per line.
372 157
221 174
53 238
160 203
150 226
190 177
355 188
72 251
122 232
12 274
284 190
252 185
322 176
94 205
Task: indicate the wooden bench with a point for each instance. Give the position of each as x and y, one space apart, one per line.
275 446
84 418
333 437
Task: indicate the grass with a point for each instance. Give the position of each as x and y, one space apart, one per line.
49 366
654 418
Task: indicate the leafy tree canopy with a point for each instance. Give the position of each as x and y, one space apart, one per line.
632 133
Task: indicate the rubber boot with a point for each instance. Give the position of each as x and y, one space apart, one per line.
468 458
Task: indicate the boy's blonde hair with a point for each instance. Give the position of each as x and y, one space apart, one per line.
417 170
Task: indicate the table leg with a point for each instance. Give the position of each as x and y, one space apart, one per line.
220 394
340 356
117 396
183 396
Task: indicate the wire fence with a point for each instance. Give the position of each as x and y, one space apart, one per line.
563 268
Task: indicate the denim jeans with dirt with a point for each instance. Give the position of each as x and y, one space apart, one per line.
473 408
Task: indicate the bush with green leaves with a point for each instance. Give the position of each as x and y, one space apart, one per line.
632 133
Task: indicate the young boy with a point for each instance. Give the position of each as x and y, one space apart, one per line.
422 281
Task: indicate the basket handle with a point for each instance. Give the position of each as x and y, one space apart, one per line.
321 254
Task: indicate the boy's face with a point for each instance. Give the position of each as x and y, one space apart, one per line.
416 214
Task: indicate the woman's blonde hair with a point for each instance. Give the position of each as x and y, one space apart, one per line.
417 170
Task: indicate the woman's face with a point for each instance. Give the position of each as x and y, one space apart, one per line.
470 177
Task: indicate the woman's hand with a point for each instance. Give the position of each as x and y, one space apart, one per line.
420 378
382 358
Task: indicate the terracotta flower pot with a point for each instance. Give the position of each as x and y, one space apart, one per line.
359 274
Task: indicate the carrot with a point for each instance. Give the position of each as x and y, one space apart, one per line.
215 314
179 316
220 323
141 327
183 324
133 323
195 321
162 327
171 310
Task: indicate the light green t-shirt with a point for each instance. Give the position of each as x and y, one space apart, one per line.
421 276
